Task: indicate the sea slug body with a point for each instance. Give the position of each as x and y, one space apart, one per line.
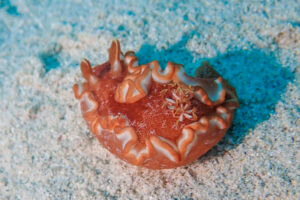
152 117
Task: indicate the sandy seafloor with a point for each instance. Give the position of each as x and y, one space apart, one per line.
46 149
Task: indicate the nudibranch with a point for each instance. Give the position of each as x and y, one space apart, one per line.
152 117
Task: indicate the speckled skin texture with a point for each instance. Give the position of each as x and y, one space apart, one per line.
47 151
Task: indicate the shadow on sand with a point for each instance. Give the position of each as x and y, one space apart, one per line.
258 78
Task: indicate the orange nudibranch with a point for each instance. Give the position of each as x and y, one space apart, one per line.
152 117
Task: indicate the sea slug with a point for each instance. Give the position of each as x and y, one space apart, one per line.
152 117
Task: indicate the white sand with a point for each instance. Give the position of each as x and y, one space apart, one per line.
46 149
